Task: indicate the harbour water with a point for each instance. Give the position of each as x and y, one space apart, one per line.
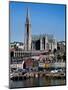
37 82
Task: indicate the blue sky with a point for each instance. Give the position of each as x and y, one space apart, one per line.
44 18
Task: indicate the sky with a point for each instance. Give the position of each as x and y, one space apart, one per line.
44 19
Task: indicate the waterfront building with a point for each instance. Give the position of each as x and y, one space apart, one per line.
61 46
29 64
17 45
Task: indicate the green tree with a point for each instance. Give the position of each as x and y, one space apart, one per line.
54 51
64 57
59 57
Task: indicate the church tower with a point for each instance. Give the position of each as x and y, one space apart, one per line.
27 32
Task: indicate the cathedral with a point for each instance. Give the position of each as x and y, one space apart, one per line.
37 42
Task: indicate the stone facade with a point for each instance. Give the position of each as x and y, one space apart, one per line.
44 42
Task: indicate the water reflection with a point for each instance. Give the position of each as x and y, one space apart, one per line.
33 82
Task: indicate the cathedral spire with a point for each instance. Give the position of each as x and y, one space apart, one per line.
27 32
27 12
27 17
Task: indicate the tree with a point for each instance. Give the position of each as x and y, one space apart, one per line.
24 65
49 51
58 48
54 51
15 47
64 57
11 56
59 57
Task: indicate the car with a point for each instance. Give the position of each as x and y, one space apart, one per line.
54 71
60 70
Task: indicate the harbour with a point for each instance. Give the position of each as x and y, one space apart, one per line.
40 59
37 82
